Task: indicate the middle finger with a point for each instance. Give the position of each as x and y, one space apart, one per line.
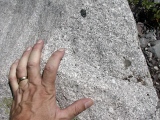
33 65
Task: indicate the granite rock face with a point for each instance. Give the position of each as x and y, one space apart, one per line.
103 59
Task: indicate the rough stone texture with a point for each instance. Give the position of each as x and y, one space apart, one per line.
143 42
157 49
103 59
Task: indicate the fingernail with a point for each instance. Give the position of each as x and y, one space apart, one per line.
39 41
29 48
61 49
88 104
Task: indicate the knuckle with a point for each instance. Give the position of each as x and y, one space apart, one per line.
32 90
12 78
45 94
49 68
49 89
31 64
19 68
76 110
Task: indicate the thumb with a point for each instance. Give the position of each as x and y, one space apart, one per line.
77 107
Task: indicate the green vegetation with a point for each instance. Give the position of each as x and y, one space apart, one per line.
147 12
6 104
75 119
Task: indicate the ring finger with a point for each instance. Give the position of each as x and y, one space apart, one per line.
22 68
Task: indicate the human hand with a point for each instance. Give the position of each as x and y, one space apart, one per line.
34 98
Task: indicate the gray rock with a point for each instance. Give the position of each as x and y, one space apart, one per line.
148 44
141 28
156 50
158 76
143 42
151 36
156 68
98 45
150 55
155 42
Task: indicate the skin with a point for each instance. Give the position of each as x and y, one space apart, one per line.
35 98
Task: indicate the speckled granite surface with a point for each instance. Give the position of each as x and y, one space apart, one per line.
103 58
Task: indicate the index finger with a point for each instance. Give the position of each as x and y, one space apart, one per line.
51 68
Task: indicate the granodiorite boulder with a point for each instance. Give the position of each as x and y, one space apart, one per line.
103 59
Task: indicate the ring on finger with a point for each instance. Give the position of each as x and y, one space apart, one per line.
22 78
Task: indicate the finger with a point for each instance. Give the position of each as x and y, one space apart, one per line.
51 68
18 97
33 65
22 67
76 108
23 84
13 78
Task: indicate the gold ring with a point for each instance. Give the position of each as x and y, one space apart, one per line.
22 78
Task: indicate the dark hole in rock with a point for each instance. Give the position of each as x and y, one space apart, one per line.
126 79
139 79
49 3
144 83
127 63
130 76
83 13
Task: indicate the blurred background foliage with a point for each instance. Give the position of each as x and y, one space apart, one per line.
147 12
